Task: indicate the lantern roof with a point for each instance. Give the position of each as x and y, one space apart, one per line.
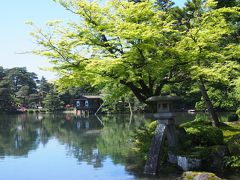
163 98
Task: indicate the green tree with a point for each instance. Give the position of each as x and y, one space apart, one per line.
19 77
23 94
43 88
138 46
211 59
18 87
52 101
164 4
227 3
127 43
2 72
6 100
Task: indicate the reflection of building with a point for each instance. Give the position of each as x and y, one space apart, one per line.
80 123
88 104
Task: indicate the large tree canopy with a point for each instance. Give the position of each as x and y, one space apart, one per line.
144 45
123 42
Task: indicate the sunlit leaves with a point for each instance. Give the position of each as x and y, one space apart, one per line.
119 41
139 45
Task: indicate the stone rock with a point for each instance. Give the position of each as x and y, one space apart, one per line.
198 176
155 148
172 158
201 177
188 163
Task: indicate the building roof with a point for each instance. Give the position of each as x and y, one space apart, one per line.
163 98
83 97
93 97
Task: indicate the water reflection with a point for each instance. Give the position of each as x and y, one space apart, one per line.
17 136
94 141
80 136
102 145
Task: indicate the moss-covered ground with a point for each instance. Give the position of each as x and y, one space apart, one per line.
230 129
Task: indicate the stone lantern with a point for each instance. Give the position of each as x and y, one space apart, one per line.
164 106
165 130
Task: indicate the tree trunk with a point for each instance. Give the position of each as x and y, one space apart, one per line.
138 92
208 103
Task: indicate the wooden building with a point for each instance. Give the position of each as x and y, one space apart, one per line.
87 104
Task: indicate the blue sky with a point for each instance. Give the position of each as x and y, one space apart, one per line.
14 33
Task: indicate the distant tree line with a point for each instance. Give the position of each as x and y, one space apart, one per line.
20 89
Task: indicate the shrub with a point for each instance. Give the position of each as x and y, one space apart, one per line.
232 161
234 145
201 133
197 122
143 137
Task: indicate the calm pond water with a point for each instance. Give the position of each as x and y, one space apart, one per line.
65 146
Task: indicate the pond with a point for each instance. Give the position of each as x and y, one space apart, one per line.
65 146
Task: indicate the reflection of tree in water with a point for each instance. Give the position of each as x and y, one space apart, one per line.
87 141
79 135
115 139
82 146
17 137
85 138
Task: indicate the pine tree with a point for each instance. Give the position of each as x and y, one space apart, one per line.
52 101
